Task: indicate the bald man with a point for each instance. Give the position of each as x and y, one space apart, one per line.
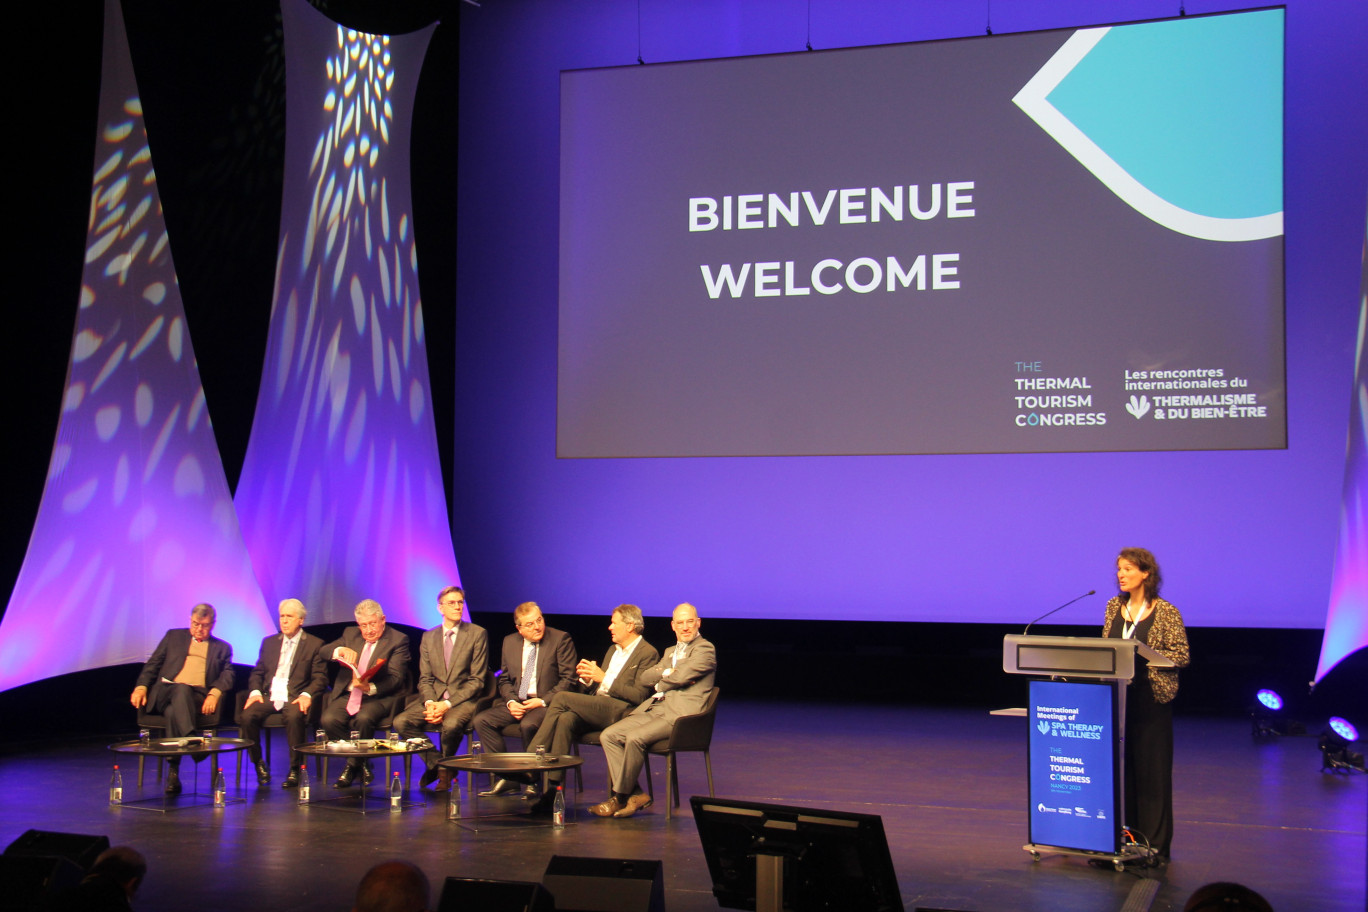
290 673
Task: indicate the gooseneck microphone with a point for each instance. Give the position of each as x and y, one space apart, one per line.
1060 608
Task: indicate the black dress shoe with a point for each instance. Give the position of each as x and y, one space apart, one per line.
263 773
292 780
543 806
348 775
500 787
367 774
429 776
173 784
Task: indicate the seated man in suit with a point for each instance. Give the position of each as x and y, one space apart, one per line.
185 676
289 674
538 663
607 693
682 680
362 705
452 661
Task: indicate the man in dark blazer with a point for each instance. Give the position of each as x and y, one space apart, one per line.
605 694
289 675
452 662
549 656
682 681
362 705
186 675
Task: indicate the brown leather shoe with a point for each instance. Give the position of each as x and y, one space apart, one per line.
443 780
639 801
606 808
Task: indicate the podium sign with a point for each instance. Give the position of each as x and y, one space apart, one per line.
1073 782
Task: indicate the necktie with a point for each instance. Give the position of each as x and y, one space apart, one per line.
448 642
280 685
354 701
528 667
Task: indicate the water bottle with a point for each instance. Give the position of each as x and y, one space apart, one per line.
116 787
396 794
220 788
303 783
558 809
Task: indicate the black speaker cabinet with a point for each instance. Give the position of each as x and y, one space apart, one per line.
605 884
463 894
79 848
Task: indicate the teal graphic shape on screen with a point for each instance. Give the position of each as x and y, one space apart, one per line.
1181 119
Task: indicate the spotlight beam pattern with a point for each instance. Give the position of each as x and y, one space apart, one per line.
1346 620
341 494
136 523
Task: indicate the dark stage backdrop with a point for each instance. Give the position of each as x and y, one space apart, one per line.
1246 537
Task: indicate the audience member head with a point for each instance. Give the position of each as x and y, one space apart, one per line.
393 886
1145 562
292 615
124 865
1226 897
631 615
370 617
202 618
529 621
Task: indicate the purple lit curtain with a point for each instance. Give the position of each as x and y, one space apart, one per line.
136 523
341 494
1346 622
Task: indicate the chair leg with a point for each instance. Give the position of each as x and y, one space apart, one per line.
671 786
707 762
141 760
650 784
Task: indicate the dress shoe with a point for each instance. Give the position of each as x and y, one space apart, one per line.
348 776
173 784
500 787
263 773
367 774
637 801
443 780
429 776
543 806
292 780
606 808
531 793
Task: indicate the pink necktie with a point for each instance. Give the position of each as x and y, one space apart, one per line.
354 701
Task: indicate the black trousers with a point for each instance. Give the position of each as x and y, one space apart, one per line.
571 715
1149 766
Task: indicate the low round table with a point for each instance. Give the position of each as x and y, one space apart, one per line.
507 764
192 746
366 751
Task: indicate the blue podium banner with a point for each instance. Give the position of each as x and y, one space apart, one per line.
1073 766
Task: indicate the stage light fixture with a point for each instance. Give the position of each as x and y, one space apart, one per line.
1267 719
1336 755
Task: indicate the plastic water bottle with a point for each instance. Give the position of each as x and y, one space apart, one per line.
396 794
303 783
220 788
116 786
558 809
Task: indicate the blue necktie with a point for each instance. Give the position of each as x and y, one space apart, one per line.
528 667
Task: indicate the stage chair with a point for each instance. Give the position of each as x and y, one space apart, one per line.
691 733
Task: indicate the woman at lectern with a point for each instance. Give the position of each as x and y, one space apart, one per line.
1137 612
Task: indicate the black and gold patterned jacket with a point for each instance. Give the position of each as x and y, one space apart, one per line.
1167 635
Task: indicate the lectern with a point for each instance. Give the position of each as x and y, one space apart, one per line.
1076 740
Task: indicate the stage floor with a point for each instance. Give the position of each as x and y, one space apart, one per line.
949 784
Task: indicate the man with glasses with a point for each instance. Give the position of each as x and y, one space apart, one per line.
361 705
186 675
682 680
538 663
452 661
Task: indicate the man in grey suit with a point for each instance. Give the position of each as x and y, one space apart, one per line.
185 676
452 661
363 705
608 692
682 680
290 673
538 662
